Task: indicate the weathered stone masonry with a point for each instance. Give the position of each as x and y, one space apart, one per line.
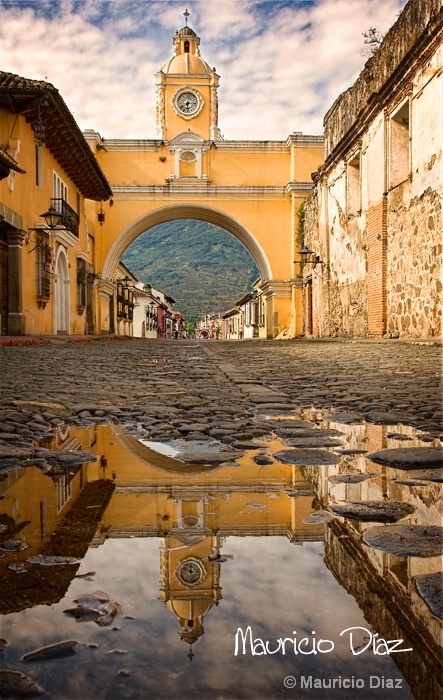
374 217
376 275
415 290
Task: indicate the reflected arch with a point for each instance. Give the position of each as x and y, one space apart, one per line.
186 211
160 461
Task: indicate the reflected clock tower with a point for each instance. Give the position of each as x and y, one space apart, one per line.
190 569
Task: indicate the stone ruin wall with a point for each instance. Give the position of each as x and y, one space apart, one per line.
347 292
413 219
397 43
339 295
312 241
414 253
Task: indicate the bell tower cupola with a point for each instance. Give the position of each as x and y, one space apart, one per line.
187 91
186 40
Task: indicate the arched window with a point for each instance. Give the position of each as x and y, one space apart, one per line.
186 46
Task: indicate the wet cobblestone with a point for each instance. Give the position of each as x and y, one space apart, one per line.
214 389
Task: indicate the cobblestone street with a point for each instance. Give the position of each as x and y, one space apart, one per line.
214 389
296 484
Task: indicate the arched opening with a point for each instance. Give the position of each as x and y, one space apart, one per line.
61 293
186 211
188 164
232 229
201 266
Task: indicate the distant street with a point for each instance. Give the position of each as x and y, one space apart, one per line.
212 387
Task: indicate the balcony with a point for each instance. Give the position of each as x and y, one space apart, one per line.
70 217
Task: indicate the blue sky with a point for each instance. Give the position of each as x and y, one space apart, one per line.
282 62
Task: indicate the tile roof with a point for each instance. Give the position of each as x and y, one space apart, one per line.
8 162
39 100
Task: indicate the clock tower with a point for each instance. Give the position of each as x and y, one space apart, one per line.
187 92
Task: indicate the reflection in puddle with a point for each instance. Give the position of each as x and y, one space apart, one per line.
140 526
174 448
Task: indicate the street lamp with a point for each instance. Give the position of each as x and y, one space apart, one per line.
308 257
52 217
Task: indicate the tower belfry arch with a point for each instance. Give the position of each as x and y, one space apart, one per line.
252 189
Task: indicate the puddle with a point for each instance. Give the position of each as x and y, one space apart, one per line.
123 559
174 448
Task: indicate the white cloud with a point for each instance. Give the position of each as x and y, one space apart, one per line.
282 64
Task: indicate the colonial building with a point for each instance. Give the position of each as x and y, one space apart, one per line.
252 189
153 315
48 260
253 312
373 226
57 279
232 324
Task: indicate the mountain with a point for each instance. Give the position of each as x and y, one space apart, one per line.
204 268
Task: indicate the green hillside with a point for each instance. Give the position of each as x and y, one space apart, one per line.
204 268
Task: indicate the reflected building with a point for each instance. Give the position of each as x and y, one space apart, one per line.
132 490
193 509
383 586
382 583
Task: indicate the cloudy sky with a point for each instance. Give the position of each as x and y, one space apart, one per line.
282 62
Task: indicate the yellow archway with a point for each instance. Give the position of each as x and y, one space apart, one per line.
186 211
252 189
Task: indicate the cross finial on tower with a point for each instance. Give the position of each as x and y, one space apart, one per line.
186 14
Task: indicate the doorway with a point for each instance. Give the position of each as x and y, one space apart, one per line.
61 294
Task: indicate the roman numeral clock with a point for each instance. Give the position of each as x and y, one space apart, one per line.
187 103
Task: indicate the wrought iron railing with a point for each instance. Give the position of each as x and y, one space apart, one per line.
70 217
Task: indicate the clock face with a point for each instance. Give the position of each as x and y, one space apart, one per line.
187 102
190 572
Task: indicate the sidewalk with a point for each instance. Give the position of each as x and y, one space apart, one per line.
55 339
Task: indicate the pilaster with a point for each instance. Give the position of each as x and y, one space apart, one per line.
16 318
278 294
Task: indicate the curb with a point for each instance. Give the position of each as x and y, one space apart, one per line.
48 340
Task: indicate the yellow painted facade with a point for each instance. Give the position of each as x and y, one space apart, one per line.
46 274
64 280
253 189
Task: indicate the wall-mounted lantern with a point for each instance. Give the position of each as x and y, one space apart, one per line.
308 257
101 216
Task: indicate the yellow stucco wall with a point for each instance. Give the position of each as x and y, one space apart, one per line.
243 181
21 194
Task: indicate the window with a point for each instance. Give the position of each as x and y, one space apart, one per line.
81 283
188 164
261 311
353 185
63 490
399 143
44 269
38 165
186 46
60 202
59 188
